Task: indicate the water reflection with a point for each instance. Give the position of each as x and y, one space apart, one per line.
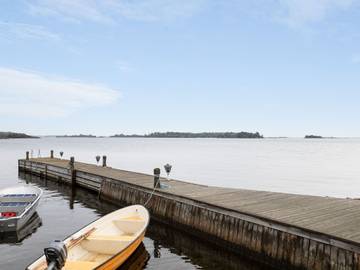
16 237
138 259
164 247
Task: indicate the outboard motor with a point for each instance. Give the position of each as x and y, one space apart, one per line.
56 255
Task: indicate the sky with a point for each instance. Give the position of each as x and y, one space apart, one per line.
279 67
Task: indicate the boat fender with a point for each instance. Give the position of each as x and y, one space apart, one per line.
8 214
56 255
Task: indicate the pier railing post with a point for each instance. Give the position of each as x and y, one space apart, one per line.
27 155
156 178
104 161
52 154
72 171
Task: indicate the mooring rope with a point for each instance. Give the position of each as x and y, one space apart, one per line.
153 191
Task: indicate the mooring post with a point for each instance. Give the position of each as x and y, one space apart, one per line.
52 154
72 171
27 155
156 178
104 161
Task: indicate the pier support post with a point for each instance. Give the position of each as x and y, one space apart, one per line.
52 154
72 171
156 178
27 155
104 161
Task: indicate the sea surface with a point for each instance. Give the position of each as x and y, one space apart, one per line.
326 167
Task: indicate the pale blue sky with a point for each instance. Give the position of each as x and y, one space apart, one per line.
280 67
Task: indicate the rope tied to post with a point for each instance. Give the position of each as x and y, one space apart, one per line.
156 184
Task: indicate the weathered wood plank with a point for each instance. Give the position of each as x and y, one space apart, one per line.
304 231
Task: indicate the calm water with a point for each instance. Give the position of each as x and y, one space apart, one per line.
320 167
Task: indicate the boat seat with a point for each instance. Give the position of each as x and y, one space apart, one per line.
80 265
106 244
18 195
129 225
18 198
13 204
133 218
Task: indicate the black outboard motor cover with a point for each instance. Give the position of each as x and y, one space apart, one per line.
56 255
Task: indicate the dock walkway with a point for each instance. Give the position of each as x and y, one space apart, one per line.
307 232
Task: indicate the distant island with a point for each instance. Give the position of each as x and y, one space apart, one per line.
14 135
220 135
313 137
76 136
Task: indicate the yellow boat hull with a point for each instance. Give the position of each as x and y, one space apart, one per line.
119 259
106 243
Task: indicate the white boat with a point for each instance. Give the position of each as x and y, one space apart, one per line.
17 205
16 237
104 244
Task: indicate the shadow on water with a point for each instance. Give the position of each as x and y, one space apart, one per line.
138 259
164 247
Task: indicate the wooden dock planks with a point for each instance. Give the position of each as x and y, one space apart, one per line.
278 225
338 217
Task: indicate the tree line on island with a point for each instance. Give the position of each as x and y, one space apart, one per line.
313 137
169 134
14 135
242 135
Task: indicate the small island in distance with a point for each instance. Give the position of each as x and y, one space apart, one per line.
231 135
313 137
14 135
76 136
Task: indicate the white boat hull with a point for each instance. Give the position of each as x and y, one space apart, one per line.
16 223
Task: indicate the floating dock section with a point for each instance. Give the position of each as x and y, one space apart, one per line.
282 230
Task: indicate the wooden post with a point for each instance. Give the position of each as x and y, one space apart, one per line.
156 178
27 155
52 154
104 161
72 171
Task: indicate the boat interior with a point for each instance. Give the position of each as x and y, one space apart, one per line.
12 205
107 239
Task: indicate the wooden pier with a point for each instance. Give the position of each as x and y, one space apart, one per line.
282 230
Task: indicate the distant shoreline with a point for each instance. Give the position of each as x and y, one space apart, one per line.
216 135
14 135
76 136
171 135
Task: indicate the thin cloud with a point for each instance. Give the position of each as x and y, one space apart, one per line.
108 11
10 30
156 10
70 10
26 93
301 12
292 13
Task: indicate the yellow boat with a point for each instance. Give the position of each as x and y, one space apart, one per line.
102 245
